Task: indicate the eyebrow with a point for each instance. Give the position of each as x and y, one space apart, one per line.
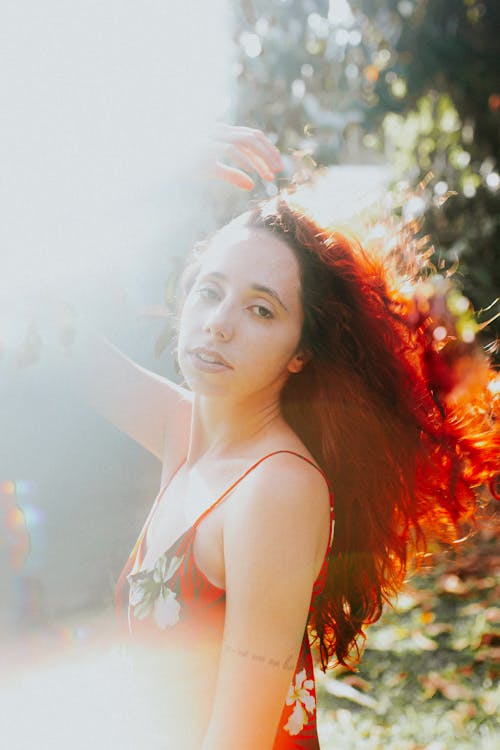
257 287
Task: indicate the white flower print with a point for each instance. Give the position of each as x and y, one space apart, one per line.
303 702
137 591
164 570
297 719
149 593
166 609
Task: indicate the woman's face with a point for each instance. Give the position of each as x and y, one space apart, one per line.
242 319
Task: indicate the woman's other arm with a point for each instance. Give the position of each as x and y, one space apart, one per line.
275 537
135 400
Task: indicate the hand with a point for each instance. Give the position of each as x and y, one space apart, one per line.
247 148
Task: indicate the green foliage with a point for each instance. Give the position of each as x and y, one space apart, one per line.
431 665
412 82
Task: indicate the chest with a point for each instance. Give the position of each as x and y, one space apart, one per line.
187 502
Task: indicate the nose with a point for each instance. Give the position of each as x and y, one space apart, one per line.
219 325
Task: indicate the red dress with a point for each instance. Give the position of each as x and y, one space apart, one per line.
176 591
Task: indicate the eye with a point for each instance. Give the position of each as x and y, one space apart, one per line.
261 311
207 293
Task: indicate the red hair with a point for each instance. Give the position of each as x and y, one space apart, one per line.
398 414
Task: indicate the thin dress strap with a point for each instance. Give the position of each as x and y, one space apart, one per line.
135 558
131 563
254 466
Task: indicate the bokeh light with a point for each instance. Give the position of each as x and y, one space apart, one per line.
340 13
493 181
251 44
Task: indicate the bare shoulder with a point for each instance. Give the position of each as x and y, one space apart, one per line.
290 481
285 498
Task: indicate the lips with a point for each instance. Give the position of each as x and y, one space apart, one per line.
210 357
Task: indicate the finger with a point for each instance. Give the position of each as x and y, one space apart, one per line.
266 150
241 158
233 176
263 152
258 163
262 148
248 161
252 140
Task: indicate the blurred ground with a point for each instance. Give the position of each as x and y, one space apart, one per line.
428 679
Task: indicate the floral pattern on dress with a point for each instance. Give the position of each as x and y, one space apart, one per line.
303 702
150 595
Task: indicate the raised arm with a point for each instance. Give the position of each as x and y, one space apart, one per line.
275 537
135 400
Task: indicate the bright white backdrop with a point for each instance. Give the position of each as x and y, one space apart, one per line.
104 103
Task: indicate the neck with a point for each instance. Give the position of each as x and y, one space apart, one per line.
220 428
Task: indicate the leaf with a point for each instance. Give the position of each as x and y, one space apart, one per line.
340 689
462 714
451 689
357 682
451 584
437 628
490 702
426 644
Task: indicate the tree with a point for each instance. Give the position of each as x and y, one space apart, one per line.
413 81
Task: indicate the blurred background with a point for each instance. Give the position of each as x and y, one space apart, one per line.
105 107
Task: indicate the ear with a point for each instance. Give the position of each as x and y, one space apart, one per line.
299 361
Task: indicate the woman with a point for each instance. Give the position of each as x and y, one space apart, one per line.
307 369
309 374
238 537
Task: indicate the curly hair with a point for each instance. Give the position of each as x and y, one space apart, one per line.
400 416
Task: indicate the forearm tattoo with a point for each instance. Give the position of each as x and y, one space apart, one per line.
271 661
